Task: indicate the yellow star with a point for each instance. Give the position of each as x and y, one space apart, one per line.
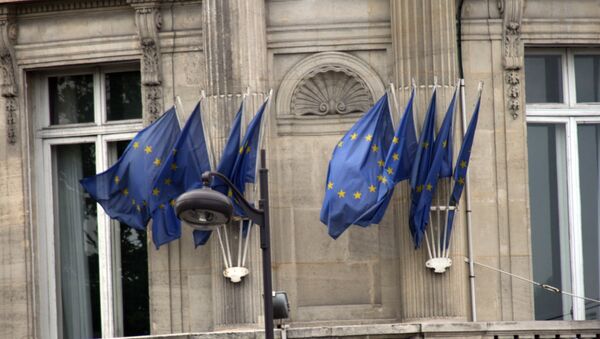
419 188
155 191
395 140
461 181
380 177
341 194
429 187
138 208
445 143
340 144
168 181
396 156
161 206
248 149
230 193
157 162
357 195
125 191
148 149
136 145
381 163
425 144
463 164
390 170
330 185
241 149
172 202
173 166
353 136
144 202
117 179
384 180
375 148
133 201
369 137
372 189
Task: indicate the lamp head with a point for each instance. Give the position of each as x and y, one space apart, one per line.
204 209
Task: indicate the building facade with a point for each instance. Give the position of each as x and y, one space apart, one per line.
80 78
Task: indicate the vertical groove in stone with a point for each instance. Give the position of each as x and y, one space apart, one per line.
424 45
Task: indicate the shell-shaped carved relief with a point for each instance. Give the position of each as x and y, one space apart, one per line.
331 90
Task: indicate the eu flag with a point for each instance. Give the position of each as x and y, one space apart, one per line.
397 165
124 189
421 166
181 172
354 173
421 217
446 169
460 171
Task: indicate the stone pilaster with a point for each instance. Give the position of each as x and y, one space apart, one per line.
148 23
235 49
512 59
8 85
424 43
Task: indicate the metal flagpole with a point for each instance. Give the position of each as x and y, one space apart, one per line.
209 143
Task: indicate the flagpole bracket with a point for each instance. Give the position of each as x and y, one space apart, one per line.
235 274
439 265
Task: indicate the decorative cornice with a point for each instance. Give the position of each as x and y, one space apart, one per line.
512 59
55 6
8 85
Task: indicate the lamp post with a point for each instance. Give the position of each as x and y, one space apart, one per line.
207 209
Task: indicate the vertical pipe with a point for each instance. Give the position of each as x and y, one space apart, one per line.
265 245
468 207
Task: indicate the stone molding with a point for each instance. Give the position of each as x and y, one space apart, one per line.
148 22
56 6
8 84
512 59
322 89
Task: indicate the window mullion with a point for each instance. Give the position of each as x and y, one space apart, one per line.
575 220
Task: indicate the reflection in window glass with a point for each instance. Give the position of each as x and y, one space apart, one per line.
587 78
123 96
549 219
133 274
77 242
589 173
543 79
71 99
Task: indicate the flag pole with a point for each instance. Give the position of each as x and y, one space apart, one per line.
241 234
209 143
393 100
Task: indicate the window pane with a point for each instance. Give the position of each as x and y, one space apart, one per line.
549 219
133 274
589 172
587 78
123 96
71 99
543 75
77 242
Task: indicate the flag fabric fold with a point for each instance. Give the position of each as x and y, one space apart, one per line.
182 171
355 172
460 170
124 189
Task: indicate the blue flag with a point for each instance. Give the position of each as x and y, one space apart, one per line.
182 171
421 216
124 189
421 166
397 165
225 167
354 172
446 169
460 171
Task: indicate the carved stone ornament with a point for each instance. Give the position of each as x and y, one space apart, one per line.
8 84
328 84
512 59
331 89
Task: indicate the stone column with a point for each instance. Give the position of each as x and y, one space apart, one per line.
235 50
424 44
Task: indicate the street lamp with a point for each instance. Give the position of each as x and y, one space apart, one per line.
207 209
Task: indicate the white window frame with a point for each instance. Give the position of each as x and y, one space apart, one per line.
570 114
45 136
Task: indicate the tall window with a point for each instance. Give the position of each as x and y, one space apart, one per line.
563 136
93 271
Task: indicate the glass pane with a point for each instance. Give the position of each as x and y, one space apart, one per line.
71 99
589 172
587 78
77 242
549 219
543 78
133 273
123 95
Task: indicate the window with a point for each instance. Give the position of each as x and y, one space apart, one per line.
93 271
563 140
